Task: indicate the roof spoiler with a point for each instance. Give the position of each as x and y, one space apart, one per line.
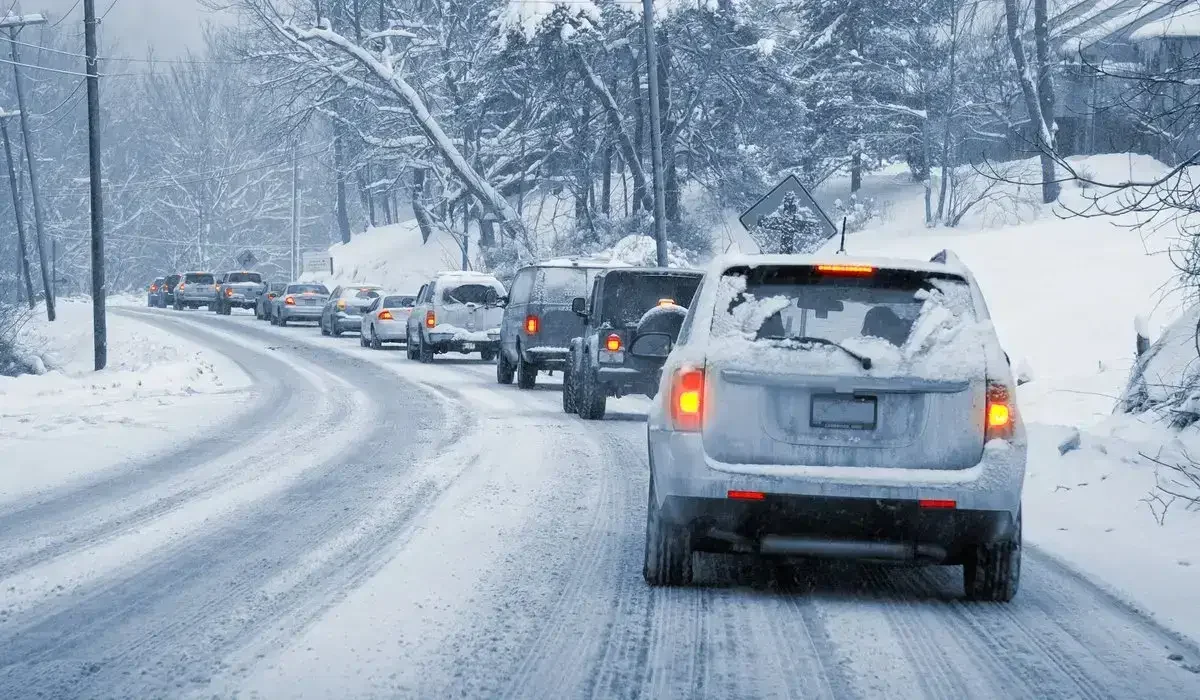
947 257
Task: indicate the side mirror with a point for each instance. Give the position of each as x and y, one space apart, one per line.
652 346
579 306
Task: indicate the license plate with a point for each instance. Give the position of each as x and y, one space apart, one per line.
468 346
844 412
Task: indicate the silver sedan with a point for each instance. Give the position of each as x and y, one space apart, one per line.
300 301
386 320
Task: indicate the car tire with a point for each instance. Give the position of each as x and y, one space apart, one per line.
568 390
591 401
424 351
362 340
376 343
321 323
526 373
282 321
274 320
992 572
504 369
668 554
487 355
333 328
410 349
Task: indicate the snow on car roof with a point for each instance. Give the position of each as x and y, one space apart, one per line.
579 262
723 262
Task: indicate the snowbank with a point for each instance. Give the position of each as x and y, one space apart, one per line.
71 421
392 256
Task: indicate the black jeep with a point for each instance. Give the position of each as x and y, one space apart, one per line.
622 300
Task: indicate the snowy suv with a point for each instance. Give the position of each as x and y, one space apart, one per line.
456 312
827 407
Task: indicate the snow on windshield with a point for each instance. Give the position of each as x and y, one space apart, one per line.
559 285
908 325
469 293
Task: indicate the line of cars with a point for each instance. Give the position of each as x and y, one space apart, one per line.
800 407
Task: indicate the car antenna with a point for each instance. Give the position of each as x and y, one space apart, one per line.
842 247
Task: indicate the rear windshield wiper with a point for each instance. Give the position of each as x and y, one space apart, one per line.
862 359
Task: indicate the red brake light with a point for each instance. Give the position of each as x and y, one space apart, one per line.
181 285
290 301
154 287
430 319
747 495
532 324
999 419
613 343
228 291
847 270
687 399
272 295
385 315
937 503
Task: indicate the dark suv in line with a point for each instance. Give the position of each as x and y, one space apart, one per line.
538 322
600 364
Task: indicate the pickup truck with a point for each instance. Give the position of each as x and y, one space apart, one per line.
238 290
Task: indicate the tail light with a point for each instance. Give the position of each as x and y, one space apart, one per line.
385 315
747 495
181 286
290 301
271 295
532 324
687 399
846 270
228 291
613 343
216 287
154 287
341 305
999 419
430 319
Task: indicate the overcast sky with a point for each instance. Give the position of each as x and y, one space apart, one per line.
135 26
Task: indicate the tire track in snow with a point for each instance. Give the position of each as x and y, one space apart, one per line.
158 612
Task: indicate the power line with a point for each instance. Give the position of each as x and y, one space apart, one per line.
169 61
167 182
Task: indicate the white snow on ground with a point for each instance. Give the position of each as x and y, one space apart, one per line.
71 422
1064 295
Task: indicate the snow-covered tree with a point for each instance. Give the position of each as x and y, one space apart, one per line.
792 228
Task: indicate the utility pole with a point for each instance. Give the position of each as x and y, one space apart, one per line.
99 287
660 205
14 23
17 209
295 213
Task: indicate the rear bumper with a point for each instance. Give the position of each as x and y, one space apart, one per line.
620 381
682 469
837 528
240 302
347 322
546 357
300 313
391 330
189 298
445 342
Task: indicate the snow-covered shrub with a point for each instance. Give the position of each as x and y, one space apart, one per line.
12 319
856 212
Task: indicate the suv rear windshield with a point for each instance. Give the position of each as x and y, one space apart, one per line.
629 295
307 289
887 315
467 294
198 278
399 302
236 277
559 285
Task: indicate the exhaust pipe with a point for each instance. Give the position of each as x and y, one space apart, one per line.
849 549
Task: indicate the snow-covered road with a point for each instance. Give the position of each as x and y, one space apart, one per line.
373 527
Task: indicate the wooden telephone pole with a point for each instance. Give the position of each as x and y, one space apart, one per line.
13 23
99 286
